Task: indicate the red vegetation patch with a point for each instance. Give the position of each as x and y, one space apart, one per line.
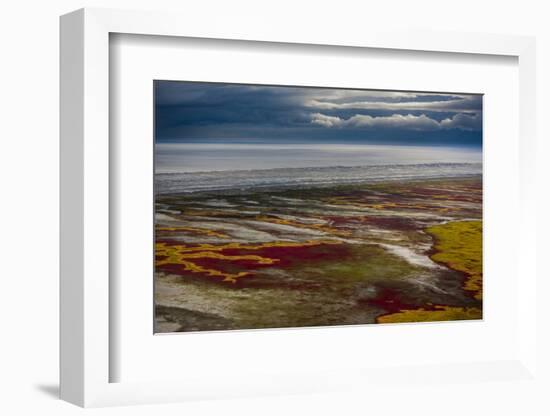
392 223
238 262
389 300
289 256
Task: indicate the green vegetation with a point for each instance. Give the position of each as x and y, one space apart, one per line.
366 263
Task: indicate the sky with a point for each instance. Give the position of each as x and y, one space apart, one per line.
193 112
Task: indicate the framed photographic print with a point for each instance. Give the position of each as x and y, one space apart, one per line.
285 206
274 212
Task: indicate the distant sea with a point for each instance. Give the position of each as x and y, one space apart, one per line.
195 167
169 183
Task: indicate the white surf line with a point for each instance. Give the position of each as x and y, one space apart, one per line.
411 256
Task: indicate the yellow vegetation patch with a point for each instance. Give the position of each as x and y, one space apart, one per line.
183 255
232 246
176 254
458 245
440 313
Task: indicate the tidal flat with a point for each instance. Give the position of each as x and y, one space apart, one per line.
362 253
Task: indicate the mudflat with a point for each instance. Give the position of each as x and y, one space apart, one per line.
362 253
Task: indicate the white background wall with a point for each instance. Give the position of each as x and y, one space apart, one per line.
29 185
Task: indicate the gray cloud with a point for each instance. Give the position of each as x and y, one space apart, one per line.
456 103
462 121
398 121
187 111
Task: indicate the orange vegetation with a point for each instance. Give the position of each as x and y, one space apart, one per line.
184 255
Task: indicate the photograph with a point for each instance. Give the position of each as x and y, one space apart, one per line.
243 208
298 206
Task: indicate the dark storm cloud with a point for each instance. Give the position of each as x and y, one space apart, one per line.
186 111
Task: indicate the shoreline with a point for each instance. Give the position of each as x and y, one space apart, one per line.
319 186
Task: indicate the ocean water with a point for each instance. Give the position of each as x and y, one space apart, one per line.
207 157
188 182
195 167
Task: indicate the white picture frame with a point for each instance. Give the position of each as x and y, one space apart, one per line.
85 200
